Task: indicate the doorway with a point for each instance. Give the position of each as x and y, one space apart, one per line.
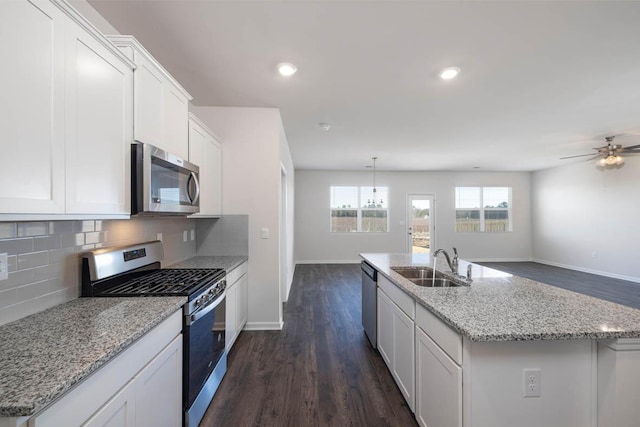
420 223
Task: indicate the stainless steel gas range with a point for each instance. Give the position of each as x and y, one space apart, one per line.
134 271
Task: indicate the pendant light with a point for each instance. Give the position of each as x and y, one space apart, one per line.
373 203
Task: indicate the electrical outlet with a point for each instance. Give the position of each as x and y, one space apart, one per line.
159 236
185 236
4 267
531 382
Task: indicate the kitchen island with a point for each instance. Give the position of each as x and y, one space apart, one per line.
506 350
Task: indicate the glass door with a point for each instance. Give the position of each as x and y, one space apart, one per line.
420 223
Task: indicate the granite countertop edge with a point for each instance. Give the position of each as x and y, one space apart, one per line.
464 327
29 402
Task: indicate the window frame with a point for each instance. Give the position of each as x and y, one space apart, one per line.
359 210
482 209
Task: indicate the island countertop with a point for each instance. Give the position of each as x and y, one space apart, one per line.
498 306
44 355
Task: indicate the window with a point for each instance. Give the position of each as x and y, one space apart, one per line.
353 209
483 209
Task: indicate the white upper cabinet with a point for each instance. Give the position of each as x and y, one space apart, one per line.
32 107
100 126
65 114
206 151
160 102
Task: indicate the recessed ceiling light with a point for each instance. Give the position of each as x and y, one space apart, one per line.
287 69
324 126
449 73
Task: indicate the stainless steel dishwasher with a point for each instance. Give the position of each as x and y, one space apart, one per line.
369 303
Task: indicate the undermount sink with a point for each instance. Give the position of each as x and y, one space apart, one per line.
424 276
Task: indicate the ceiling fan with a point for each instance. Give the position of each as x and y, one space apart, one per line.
610 154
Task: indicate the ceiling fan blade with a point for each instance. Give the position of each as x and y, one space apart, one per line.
579 155
631 148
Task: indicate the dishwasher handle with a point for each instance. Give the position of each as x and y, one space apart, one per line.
369 271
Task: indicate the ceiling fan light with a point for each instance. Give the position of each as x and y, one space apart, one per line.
619 160
611 160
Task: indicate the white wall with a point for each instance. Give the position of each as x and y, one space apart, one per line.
93 16
586 218
251 139
314 242
287 216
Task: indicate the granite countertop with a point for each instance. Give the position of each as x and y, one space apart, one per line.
43 355
498 306
226 262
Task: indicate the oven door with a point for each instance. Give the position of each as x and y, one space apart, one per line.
204 345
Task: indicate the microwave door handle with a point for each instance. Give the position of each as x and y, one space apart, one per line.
194 199
197 196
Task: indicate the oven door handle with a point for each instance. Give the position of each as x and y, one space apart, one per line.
193 318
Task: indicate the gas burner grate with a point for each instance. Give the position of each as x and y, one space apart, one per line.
166 282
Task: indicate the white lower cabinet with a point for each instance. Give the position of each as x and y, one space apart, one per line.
438 385
236 303
157 386
118 412
396 345
141 387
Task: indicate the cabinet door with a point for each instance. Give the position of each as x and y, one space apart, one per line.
159 389
148 115
243 302
99 128
231 328
117 412
175 121
439 385
403 359
206 152
385 328
214 170
32 107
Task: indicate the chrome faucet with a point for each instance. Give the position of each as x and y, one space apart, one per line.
452 266
455 260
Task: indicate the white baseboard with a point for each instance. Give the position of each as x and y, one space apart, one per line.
263 326
324 261
498 259
588 270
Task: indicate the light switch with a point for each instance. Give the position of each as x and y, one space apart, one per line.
264 233
185 236
159 236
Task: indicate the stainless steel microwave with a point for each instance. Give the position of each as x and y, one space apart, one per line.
161 183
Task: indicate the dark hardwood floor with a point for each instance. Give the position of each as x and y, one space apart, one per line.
615 290
318 371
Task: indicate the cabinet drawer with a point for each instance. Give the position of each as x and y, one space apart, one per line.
234 275
448 339
402 300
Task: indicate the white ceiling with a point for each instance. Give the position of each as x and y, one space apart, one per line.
539 80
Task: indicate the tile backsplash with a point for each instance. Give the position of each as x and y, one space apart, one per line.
44 256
